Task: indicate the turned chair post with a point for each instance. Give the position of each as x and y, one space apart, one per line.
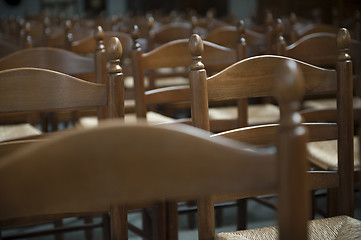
100 56
280 42
115 84
198 80
242 104
345 124
68 35
200 118
293 32
139 88
25 35
46 31
289 91
269 32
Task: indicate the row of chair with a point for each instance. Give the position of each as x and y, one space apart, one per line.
197 79
184 93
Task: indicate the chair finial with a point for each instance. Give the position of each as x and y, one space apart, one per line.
46 22
241 26
289 91
114 52
135 36
99 38
293 18
196 49
68 25
28 38
281 43
99 34
343 44
68 34
135 32
196 45
269 18
194 21
280 27
150 22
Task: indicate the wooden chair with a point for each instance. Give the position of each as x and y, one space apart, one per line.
54 35
87 45
317 48
92 69
217 57
212 172
234 81
36 89
169 32
56 88
256 42
92 187
320 49
297 34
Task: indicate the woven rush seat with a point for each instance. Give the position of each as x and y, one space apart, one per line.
163 82
326 103
152 118
340 227
324 154
257 113
13 131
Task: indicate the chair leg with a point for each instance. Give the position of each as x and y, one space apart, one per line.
57 224
88 232
332 202
191 216
119 223
172 220
218 216
147 222
159 225
242 214
106 226
313 204
206 221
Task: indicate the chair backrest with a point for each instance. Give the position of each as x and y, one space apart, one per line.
169 32
229 36
53 35
87 45
60 60
320 49
49 58
36 89
312 28
217 58
317 48
255 77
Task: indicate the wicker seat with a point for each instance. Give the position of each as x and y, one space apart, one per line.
8 132
258 113
343 227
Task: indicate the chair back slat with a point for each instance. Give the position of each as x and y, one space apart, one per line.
50 90
168 94
253 77
265 135
49 58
